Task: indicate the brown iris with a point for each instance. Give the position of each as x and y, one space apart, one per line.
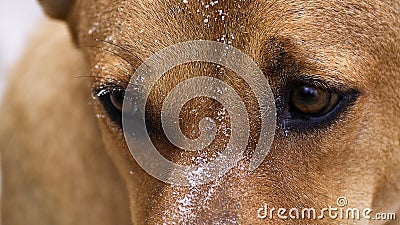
308 99
117 98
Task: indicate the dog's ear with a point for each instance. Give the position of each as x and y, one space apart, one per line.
58 9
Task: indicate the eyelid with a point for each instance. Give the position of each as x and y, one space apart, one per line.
326 84
106 89
342 90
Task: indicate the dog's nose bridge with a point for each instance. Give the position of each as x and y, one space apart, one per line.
183 90
199 205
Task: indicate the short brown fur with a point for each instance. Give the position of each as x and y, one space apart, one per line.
56 170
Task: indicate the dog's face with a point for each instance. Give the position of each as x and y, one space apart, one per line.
334 69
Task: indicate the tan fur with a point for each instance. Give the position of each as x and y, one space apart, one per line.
55 170
55 166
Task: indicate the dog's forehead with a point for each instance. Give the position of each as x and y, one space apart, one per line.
335 37
181 20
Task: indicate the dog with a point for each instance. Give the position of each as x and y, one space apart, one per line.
333 68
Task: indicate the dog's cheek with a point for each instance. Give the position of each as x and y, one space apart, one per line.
112 139
140 186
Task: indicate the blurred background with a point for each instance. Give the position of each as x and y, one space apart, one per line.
17 20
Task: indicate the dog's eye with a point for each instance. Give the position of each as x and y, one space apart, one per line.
311 106
117 98
311 100
112 100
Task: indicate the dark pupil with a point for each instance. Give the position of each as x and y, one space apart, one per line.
310 100
308 95
117 98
